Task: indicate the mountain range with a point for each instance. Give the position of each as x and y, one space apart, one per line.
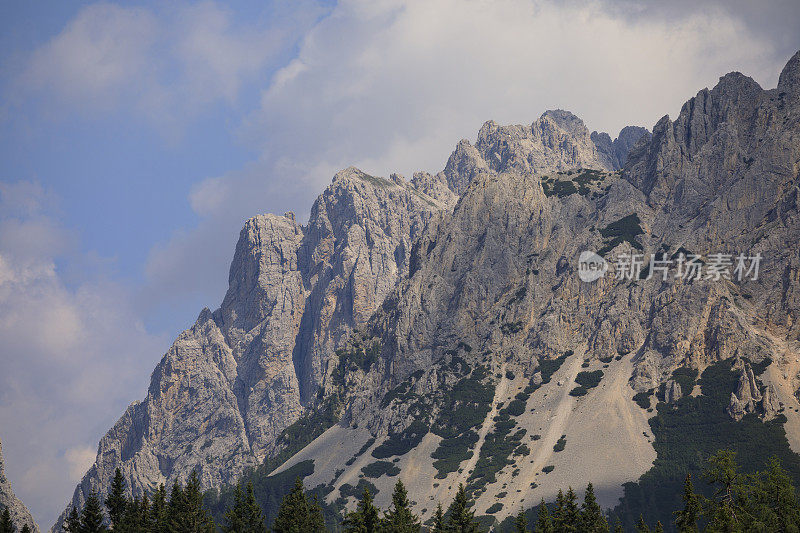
438 330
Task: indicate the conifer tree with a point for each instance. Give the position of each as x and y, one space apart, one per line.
72 524
559 514
569 516
438 520
462 519
686 519
592 518
722 509
618 527
365 518
544 523
92 515
641 526
116 501
176 510
521 522
197 518
399 517
26 529
157 518
6 525
297 515
245 515
132 520
659 527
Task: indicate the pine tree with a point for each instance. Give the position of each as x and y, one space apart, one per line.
521 522
659 527
6 525
571 514
297 515
245 515
723 508
72 524
641 527
176 510
157 519
462 519
132 520
686 520
618 527
399 517
92 516
544 524
438 520
559 514
116 501
365 518
197 518
592 518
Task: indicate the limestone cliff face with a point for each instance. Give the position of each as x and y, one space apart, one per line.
20 515
495 283
241 374
478 263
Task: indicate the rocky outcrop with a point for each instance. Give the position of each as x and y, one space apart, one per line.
672 392
241 374
747 397
20 516
558 140
614 154
476 266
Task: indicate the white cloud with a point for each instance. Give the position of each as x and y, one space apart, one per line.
72 357
167 65
80 459
103 52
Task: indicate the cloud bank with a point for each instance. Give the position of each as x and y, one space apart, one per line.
72 357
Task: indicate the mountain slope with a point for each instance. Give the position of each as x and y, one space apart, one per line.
441 324
494 286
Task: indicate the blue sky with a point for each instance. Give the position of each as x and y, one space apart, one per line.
136 137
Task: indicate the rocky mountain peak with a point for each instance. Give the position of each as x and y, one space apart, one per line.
789 81
567 121
463 165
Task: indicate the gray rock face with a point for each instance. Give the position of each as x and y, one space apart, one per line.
614 154
558 140
20 515
482 255
244 372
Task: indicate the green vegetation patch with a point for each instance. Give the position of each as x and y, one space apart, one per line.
623 230
685 377
402 442
510 328
589 380
688 432
358 356
379 468
560 444
643 399
347 490
494 508
465 407
548 367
